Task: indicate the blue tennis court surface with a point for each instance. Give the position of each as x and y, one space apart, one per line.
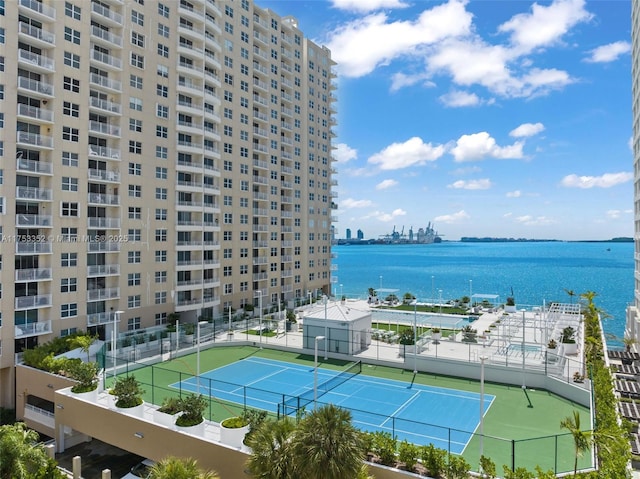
420 414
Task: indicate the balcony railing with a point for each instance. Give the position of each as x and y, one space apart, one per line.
103 294
104 175
33 139
103 246
32 166
106 58
38 194
103 270
38 301
31 58
104 128
105 35
104 152
106 105
43 247
40 8
106 12
35 86
103 199
35 112
37 33
95 319
37 221
32 329
105 82
35 274
103 222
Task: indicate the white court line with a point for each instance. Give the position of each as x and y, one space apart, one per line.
402 406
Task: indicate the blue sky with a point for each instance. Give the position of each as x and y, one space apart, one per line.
487 118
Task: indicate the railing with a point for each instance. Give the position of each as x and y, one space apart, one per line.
104 128
34 139
103 222
35 59
43 247
104 152
34 166
35 274
103 246
37 301
37 33
106 105
106 12
103 199
103 175
103 270
41 221
39 7
103 294
105 82
106 35
35 112
32 329
35 86
106 58
95 319
38 194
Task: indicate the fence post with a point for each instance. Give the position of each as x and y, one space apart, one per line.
555 456
513 454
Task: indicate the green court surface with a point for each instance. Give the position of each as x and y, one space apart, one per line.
514 433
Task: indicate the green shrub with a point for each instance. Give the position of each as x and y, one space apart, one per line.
519 473
408 454
192 407
458 467
488 467
384 446
434 459
128 392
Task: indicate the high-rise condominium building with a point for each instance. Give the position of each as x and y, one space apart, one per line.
633 319
157 157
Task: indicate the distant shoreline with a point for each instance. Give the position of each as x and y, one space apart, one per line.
472 239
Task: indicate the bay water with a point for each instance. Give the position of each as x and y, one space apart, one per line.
533 273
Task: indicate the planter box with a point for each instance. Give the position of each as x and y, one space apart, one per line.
137 411
510 309
233 436
292 327
436 336
570 348
168 420
197 430
91 396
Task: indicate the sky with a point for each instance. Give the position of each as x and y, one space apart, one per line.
486 118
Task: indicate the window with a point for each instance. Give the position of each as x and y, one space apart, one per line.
69 234
137 18
72 35
161 297
161 256
135 103
69 159
68 310
163 71
69 184
71 84
161 214
134 234
68 285
162 131
137 39
133 279
163 30
135 213
135 81
162 111
161 173
227 271
161 318
161 276
72 11
163 50
72 60
69 260
135 191
162 152
161 193
163 10
135 125
133 301
161 235
162 90
69 208
137 61
135 147
71 109
133 257
133 324
70 134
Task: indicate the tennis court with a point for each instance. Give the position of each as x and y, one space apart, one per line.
419 413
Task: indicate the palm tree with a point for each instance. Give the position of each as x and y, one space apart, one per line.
628 342
84 342
172 467
20 454
326 445
571 294
581 439
272 455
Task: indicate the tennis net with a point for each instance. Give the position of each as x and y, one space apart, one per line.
295 403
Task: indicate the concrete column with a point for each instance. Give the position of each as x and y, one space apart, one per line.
77 467
106 474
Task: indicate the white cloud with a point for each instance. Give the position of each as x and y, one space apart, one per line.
482 184
514 194
344 153
468 170
360 46
545 25
386 184
413 152
481 145
367 5
605 181
350 203
608 53
614 214
529 220
400 80
527 129
386 217
456 99
458 217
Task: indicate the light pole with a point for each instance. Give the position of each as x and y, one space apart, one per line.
470 291
482 360
415 336
433 284
315 372
523 367
260 306
341 291
198 353
440 301
326 300
380 283
114 342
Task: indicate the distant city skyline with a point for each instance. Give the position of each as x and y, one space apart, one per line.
489 118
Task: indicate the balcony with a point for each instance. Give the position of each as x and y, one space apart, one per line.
33 302
36 194
187 301
100 35
34 221
42 37
34 140
105 106
103 222
39 88
105 82
106 129
105 59
103 199
42 247
103 294
95 319
34 113
104 152
106 14
31 166
34 274
32 329
39 10
103 175
103 270
103 246
35 61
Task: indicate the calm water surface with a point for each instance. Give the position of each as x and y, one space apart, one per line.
535 272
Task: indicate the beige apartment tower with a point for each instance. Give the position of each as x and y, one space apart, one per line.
157 157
